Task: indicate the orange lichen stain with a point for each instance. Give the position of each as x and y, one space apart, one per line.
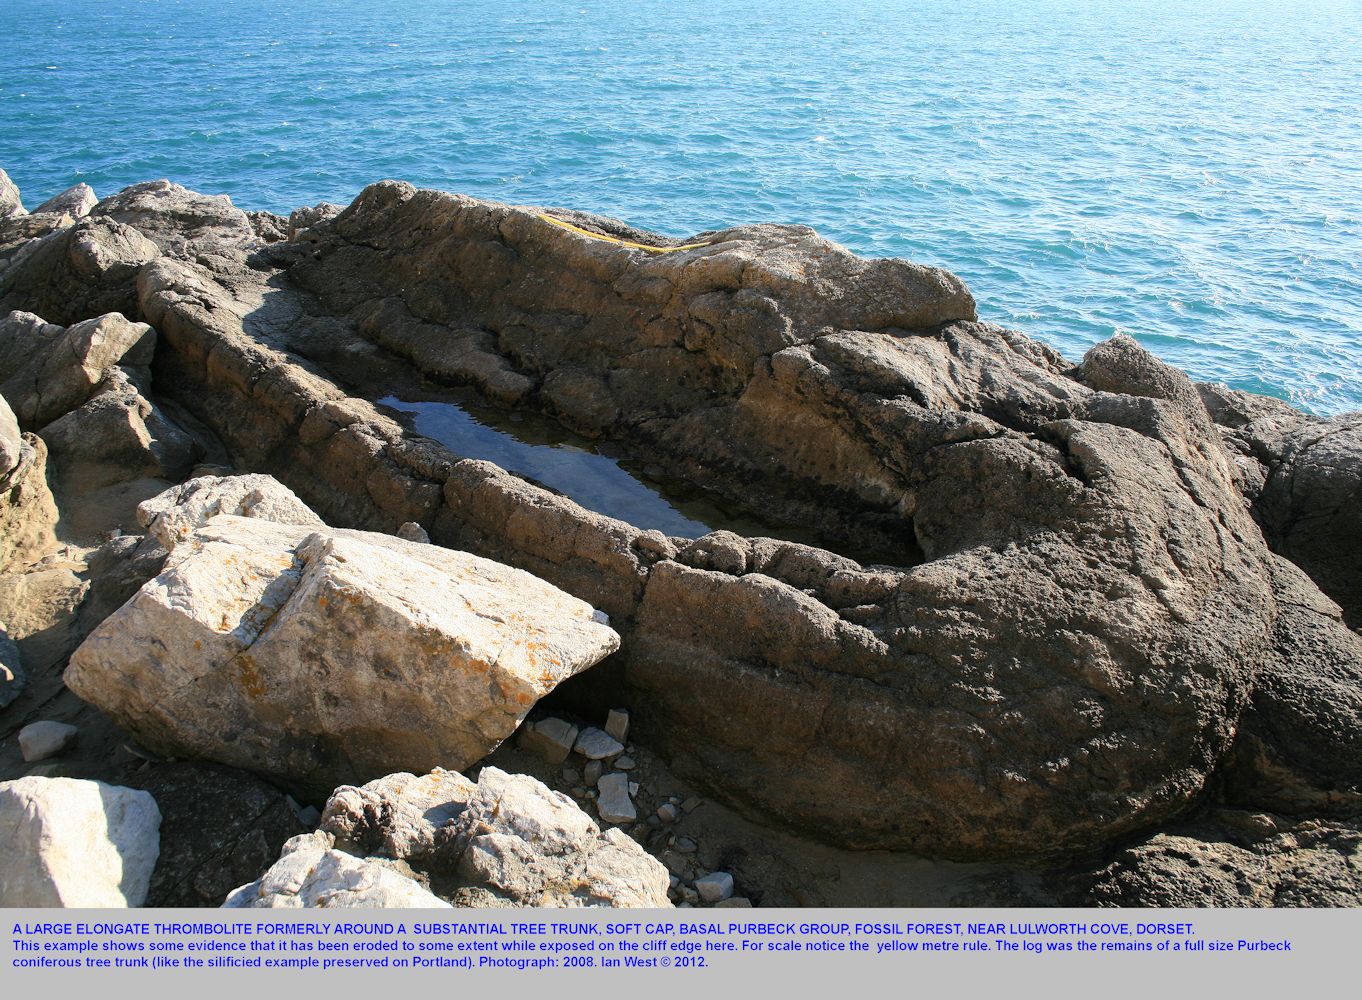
251 682
523 698
198 644
322 602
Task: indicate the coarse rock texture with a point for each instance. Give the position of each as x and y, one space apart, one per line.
506 840
311 874
302 219
1058 606
11 439
322 657
1299 748
47 371
75 843
21 231
1238 859
1069 602
175 514
1311 507
76 201
220 828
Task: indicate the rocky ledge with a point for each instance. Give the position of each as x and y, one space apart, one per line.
1053 609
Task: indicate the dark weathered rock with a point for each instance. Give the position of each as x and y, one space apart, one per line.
270 228
12 675
1238 859
219 829
1311 507
19 232
1299 748
302 219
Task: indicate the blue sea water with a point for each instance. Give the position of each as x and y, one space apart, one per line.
1188 173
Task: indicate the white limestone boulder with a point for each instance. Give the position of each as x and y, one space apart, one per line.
324 657
76 843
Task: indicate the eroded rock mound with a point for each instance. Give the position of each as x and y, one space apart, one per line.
320 656
506 840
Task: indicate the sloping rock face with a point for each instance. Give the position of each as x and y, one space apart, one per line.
319 657
76 843
49 371
10 203
76 201
28 514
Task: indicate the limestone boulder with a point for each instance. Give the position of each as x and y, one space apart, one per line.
49 371
19 232
302 219
312 874
322 657
178 512
74 843
508 839
76 201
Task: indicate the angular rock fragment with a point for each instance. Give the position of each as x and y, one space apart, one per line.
594 744
614 804
40 740
321 657
175 514
617 724
551 738
76 843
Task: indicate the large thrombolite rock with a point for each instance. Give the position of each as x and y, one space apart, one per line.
1066 603
75 843
321 656
507 840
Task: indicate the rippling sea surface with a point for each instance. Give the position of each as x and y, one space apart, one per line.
1190 174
